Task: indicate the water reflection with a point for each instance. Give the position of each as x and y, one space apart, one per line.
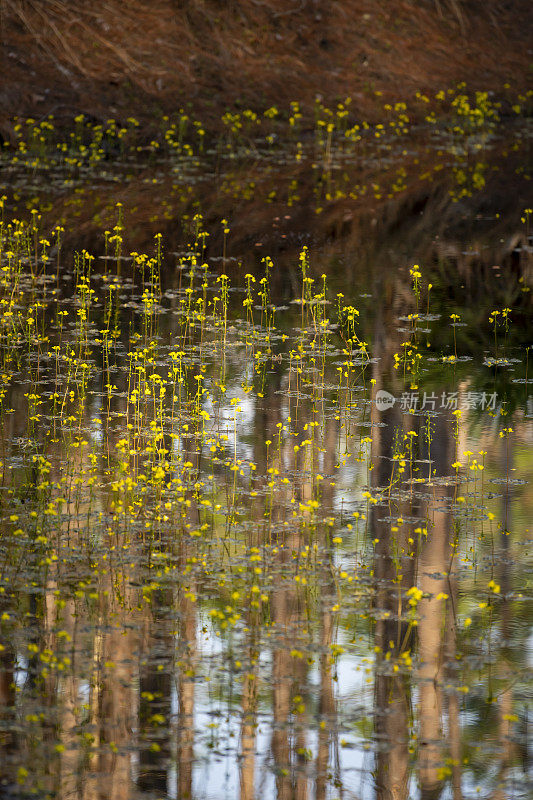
252 582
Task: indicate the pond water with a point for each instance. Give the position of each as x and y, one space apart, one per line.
266 524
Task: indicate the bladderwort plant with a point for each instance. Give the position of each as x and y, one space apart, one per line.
196 500
455 318
412 357
497 319
248 304
267 310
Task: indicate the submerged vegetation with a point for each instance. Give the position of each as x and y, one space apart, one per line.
320 160
266 450
206 507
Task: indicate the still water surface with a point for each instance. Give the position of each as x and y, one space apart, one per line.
269 535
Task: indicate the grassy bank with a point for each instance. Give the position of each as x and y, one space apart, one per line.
146 59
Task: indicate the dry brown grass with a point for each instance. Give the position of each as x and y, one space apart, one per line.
137 57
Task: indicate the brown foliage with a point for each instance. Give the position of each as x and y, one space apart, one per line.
132 57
